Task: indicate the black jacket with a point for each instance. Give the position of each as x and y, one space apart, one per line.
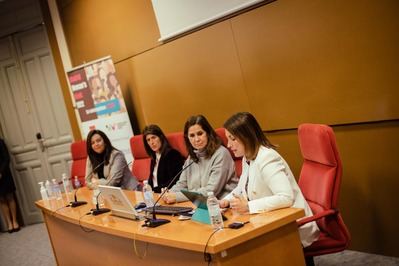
6 181
170 164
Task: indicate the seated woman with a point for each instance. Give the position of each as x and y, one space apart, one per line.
166 162
213 167
267 182
106 165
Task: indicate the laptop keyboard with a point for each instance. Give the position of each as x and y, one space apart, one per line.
162 209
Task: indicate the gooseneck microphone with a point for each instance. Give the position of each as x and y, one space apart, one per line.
77 203
99 210
154 222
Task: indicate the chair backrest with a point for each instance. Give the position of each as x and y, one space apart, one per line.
141 160
320 177
176 141
237 160
79 157
320 181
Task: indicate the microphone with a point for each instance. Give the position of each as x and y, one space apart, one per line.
154 222
77 203
99 210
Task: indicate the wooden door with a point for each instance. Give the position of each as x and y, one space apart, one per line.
32 115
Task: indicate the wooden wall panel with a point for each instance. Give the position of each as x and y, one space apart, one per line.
316 61
132 100
199 73
97 28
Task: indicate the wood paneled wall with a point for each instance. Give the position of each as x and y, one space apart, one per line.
288 62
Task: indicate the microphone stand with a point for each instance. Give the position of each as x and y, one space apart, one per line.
77 203
154 222
99 210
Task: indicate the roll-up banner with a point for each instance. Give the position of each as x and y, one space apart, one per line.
99 102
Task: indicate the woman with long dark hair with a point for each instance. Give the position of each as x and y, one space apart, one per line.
166 162
213 168
266 182
105 164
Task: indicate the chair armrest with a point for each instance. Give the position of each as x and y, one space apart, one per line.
316 217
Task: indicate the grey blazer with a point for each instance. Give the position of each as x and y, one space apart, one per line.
116 173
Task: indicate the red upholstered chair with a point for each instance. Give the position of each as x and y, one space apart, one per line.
320 181
79 157
176 141
237 160
141 160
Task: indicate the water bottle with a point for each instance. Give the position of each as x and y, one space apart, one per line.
49 189
66 183
148 195
76 182
56 190
214 211
43 192
68 189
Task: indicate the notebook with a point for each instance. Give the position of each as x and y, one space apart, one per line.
118 202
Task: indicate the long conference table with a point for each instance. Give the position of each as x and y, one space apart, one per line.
270 238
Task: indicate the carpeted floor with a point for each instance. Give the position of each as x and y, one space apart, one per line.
31 246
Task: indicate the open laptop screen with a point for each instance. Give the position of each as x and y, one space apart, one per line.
118 202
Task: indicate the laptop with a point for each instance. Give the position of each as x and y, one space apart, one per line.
118 202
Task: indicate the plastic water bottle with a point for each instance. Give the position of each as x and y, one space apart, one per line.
49 189
68 189
214 211
148 194
76 182
67 184
43 192
56 190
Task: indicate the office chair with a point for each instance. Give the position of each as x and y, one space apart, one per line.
141 162
79 157
320 181
176 141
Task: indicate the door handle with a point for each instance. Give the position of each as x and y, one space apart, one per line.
41 141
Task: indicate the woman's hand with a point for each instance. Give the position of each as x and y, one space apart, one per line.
169 197
224 203
239 204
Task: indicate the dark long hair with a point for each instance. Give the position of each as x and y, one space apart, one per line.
244 126
214 141
157 131
94 157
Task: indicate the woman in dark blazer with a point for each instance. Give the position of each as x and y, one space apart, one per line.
7 189
166 162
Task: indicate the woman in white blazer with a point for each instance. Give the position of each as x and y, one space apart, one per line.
266 182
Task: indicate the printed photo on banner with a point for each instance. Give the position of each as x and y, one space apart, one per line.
99 101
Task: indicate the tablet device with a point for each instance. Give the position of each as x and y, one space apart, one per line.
118 202
197 199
